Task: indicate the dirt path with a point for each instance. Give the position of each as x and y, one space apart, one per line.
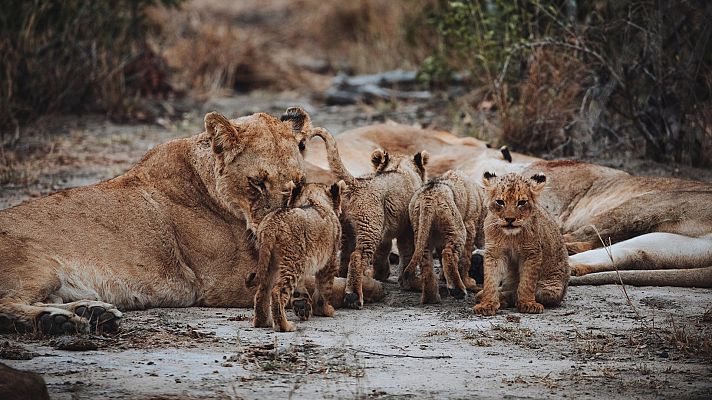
596 345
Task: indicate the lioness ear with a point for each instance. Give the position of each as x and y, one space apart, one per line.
301 124
539 182
380 159
222 133
488 178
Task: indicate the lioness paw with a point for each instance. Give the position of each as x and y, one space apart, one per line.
58 322
530 308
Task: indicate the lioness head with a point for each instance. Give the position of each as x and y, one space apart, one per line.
511 199
255 156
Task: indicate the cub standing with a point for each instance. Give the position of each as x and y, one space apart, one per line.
445 213
301 238
524 249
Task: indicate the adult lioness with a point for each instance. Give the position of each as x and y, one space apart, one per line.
170 232
654 223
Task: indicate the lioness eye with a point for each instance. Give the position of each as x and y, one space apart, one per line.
499 202
521 203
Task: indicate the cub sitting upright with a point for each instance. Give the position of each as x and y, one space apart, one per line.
524 249
301 238
445 213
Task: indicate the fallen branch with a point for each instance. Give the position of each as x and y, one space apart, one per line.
398 355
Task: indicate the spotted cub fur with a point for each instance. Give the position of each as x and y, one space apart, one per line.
524 249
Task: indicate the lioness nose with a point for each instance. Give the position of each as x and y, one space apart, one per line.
509 220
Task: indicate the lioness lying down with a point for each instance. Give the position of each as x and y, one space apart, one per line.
659 224
170 232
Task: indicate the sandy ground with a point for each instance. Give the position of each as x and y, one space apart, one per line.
595 345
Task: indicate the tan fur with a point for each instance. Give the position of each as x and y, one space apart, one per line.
375 212
445 213
524 250
622 207
170 232
301 239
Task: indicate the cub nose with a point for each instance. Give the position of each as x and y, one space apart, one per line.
509 220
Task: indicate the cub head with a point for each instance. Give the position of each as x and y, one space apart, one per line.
255 156
299 194
383 161
511 199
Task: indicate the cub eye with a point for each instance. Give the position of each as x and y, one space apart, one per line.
256 183
499 202
302 145
521 203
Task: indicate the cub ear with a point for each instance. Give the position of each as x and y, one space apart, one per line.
336 191
539 182
380 159
488 178
223 134
421 160
301 124
505 153
291 192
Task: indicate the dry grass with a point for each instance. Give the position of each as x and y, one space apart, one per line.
284 45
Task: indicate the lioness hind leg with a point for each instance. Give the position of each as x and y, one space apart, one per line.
103 317
18 317
650 251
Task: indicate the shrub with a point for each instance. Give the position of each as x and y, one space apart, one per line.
74 55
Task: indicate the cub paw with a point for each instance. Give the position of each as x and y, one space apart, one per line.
530 308
261 321
285 326
302 309
430 298
323 310
487 309
351 300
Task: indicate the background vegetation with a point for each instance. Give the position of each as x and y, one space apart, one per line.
552 77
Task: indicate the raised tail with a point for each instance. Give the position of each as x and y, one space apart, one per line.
693 277
332 155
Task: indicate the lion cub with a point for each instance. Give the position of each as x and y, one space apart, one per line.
445 213
524 249
375 213
301 238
